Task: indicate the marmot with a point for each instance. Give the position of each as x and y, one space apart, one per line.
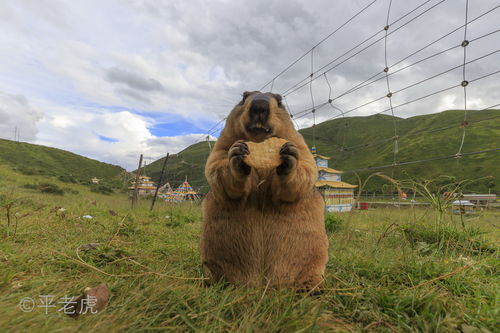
263 226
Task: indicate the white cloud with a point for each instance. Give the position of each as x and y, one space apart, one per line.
129 132
18 119
105 67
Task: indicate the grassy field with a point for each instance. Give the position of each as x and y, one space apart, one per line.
390 270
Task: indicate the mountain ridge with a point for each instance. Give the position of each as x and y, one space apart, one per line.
368 141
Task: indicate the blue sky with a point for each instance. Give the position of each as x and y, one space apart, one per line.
113 79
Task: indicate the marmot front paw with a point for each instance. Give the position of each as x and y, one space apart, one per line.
289 156
236 156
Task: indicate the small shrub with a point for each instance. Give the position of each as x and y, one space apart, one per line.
45 188
50 188
103 189
70 190
333 223
68 179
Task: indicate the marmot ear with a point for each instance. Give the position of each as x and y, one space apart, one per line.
245 96
278 98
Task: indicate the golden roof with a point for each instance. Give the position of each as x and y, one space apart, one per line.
331 183
329 170
321 156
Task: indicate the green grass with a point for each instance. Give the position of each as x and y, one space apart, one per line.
389 270
421 137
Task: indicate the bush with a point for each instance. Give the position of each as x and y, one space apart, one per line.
50 188
45 188
68 179
103 189
70 190
333 223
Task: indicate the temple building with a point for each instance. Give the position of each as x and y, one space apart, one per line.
338 195
146 186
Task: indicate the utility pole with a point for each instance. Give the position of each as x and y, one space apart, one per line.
209 145
135 196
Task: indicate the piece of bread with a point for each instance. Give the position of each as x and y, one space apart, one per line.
265 154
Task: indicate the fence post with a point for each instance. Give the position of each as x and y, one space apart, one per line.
159 181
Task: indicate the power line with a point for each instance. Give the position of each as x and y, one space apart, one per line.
301 83
369 81
317 44
430 94
390 94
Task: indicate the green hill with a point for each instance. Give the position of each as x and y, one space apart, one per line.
31 159
362 142
188 164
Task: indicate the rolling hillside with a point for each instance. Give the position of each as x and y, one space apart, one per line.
34 159
362 142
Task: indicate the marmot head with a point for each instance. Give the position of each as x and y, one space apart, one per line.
259 116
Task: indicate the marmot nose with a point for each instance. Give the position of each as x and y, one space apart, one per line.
260 105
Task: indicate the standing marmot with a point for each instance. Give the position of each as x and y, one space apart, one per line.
263 226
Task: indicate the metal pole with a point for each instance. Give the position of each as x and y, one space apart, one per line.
160 181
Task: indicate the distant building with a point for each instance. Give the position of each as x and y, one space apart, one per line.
145 187
95 180
481 200
462 207
338 195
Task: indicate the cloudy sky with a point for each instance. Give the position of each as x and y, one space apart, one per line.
112 79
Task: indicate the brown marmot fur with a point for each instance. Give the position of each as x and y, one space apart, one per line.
263 226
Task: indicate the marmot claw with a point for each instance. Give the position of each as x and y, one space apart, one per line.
236 156
289 155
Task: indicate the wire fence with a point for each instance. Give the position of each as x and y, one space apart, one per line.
342 103
386 75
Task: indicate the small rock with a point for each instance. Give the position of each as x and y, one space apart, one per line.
92 301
